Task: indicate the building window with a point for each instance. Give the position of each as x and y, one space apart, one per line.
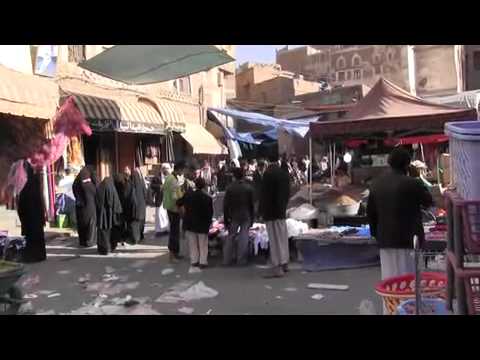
357 74
46 60
76 53
341 76
341 63
390 56
349 75
476 60
356 61
183 85
376 59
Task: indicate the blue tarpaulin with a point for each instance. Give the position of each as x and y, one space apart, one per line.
298 127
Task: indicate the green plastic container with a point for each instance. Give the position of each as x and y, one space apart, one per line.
62 221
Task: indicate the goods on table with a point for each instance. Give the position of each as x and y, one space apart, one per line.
343 206
303 212
429 307
295 228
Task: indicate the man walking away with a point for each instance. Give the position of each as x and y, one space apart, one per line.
197 219
257 185
238 208
274 201
171 193
394 213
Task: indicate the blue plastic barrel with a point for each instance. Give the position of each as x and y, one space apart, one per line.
464 140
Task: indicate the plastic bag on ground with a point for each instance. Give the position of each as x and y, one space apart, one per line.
195 292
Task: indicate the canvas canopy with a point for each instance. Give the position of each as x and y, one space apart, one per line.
388 108
147 64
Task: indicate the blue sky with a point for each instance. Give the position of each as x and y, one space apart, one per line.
257 53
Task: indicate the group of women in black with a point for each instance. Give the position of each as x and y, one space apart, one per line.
111 211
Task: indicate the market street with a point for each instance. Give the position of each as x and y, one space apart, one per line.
139 269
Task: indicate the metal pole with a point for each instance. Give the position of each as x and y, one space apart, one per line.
334 163
117 165
309 169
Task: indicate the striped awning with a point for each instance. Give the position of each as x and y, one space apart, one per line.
172 114
27 95
108 114
202 141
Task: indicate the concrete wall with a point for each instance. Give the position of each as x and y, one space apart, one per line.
435 70
16 57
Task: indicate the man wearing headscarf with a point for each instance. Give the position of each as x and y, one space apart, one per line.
109 210
31 212
139 207
84 190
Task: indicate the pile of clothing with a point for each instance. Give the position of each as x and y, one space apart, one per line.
340 234
11 247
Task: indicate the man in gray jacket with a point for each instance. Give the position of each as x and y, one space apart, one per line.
238 209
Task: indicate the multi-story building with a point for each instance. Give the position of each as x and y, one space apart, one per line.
428 70
270 84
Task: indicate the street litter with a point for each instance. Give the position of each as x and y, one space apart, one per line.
30 296
317 297
139 270
209 312
194 270
156 285
327 286
140 263
103 296
63 272
268 287
84 279
279 297
48 312
109 277
167 271
109 269
54 295
45 292
26 309
290 289
31 281
263 266
367 308
194 292
186 310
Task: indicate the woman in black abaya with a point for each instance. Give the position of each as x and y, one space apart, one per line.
123 187
139 207
109 211
84 189
31 212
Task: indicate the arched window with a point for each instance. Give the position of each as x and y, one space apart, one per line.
341 62
356 60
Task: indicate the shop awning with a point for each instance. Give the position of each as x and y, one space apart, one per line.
147 64
130 116
172 114
27 95
426 139
202 141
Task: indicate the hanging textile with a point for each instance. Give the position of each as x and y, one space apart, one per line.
17 178
168 154
75 153
68 122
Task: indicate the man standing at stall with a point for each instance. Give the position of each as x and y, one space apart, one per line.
394 213
274 201
171 193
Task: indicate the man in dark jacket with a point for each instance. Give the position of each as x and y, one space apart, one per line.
394 213
197 219
274 201
257 184
238 209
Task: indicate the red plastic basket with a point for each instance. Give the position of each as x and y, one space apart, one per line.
397 289
471 226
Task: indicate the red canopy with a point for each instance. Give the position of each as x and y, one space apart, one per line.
427 139
387 107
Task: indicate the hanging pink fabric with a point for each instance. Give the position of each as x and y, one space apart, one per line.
17 178
69 122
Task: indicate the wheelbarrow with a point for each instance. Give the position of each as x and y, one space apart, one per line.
11 296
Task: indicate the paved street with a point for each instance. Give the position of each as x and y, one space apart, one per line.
80 281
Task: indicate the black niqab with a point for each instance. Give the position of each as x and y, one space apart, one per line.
31 212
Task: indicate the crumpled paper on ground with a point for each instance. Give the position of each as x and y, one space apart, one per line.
195 292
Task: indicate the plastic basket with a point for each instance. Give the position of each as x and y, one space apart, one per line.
435 306
464 140
398 289
472 287
471 226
